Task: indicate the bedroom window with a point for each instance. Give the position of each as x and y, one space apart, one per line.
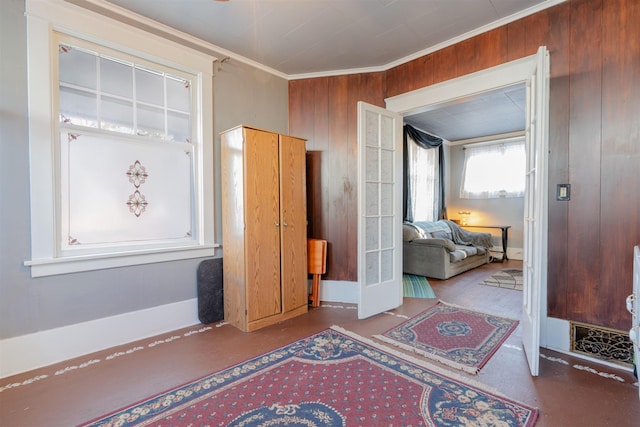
121 144
126 150
493 170
424 182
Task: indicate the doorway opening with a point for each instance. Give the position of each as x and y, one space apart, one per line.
532 71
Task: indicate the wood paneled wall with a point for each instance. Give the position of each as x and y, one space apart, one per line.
594 139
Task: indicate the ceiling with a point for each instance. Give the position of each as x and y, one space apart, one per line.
497 112
306 38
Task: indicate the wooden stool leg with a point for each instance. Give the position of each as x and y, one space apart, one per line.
315 291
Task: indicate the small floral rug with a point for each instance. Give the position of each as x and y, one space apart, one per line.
332 378
507 278
452 335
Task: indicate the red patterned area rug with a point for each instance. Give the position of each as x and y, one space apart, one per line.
332 378
455 336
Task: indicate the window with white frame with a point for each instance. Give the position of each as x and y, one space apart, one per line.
494 170
128 149
424 176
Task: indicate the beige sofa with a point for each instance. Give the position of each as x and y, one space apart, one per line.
442 249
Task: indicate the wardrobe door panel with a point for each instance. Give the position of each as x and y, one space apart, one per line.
293 212
262 218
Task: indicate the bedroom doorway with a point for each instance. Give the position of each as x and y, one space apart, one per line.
534 72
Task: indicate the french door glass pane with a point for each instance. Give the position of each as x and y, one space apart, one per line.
372 234
386 133
386 202
372 269
386 167
371 136
386 232
372 199
386 265
372 170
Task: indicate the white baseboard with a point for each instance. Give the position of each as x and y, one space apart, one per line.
514 253
338 291
32 351
555 334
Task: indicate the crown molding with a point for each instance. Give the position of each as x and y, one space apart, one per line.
488 27
126 16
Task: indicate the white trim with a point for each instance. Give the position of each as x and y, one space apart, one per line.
32 351
53 266
461 88
120 12
503 137
555 334
338 291
44 18
514 253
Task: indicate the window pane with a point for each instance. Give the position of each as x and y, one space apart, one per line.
149 87
386 194
493 171
179 127
386 166
150 121
178 94
77 67
386 132
372 230
117 115
371 127
372 198
78 107
386 232
116 78
373 164
372 268
386 265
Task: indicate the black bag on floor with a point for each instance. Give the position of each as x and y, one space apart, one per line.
210 297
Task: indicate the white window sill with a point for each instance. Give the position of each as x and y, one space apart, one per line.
54 266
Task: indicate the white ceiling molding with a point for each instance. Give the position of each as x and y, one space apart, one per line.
440 46
121 14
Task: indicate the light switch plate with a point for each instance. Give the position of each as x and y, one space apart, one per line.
563 192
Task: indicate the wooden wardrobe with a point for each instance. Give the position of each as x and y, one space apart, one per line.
264 227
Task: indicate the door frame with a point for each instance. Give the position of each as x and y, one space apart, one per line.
459 90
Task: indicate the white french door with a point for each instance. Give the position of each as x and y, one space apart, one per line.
379 210
535 208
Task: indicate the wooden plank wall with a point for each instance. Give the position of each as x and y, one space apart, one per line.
594 138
